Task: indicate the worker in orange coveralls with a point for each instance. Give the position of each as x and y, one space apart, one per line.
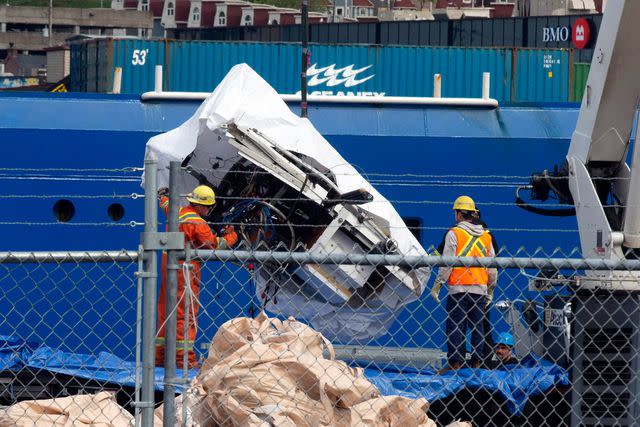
199 235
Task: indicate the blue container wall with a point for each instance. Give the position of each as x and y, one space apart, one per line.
138 59
394 71
516 75
200 66
541 75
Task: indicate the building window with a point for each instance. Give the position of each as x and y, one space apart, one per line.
247 20
144 6
222 18
274 22
339 11
196 14
170 9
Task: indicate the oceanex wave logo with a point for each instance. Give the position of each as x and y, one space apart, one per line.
331 77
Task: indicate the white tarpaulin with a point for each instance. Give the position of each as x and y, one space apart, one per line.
244 99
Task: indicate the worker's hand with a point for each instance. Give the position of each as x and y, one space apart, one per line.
435 292
164 191
488 299
489 296
230 236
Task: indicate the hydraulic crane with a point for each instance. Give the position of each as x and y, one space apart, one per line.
605 192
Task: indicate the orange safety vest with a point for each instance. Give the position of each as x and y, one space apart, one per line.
475 246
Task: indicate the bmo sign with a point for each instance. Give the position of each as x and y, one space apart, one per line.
579 34
555 34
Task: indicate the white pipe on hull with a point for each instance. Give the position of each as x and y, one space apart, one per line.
486 85
389 100
437 86
117 79
158 79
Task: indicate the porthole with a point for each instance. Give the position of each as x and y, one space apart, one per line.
64 210
115 211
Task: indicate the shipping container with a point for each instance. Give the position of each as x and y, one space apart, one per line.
396 71
579 83
516 74
541 75
542 32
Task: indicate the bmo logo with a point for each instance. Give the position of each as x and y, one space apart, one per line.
580 33
555 34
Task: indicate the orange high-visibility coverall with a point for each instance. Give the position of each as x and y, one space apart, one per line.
198 234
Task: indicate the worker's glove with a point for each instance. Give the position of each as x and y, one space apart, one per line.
230 236
489 296
435 291
164 191
488 299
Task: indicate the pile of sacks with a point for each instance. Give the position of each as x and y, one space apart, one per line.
264 371
260 372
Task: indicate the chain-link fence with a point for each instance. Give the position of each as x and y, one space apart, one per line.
553 352
338 333
68 327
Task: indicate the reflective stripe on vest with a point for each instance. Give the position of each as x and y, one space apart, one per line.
180 344
473 246
189 216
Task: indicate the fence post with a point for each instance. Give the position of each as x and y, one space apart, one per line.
171 302
150 286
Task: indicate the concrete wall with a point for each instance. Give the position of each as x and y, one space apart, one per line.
93 21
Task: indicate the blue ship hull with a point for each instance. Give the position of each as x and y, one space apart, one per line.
420 158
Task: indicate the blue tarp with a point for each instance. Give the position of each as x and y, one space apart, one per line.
532 376
517 383
103 367
14 351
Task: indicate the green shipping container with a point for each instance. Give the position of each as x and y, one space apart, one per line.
580 74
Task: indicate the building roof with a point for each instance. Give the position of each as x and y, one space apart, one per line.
362 3
156 7
403 4
207 14
286 10
260 6
182 10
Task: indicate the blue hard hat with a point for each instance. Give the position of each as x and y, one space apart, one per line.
505 338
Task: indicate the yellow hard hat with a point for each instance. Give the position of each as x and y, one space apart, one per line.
202 195
464 203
